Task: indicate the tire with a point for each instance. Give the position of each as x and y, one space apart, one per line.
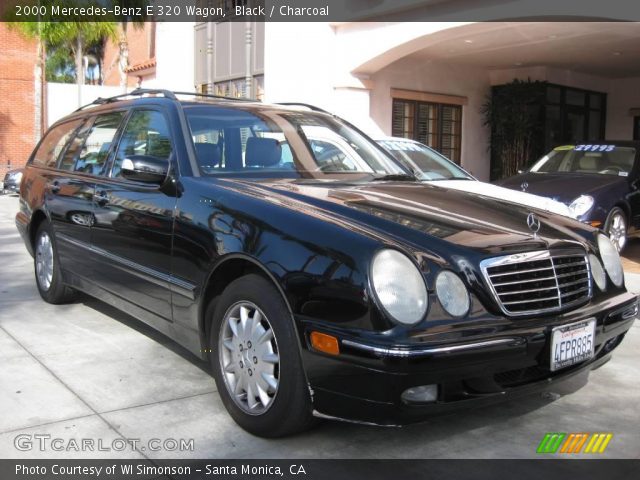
616 227
281 402
47 269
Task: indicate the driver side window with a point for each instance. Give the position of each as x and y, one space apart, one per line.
146 133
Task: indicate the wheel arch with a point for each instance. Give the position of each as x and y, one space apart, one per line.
626 209
228 268
37 218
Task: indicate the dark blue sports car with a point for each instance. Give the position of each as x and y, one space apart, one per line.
598 181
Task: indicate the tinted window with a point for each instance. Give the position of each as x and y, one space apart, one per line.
92 157
146 133
68 159
88 151
54 142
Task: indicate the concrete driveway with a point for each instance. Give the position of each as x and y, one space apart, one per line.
88 371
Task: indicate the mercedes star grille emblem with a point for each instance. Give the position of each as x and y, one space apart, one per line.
533 222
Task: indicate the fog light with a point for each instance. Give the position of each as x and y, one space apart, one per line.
612 343
420 394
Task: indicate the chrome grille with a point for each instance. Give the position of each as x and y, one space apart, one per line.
538 282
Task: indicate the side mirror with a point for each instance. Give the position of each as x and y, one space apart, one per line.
145 168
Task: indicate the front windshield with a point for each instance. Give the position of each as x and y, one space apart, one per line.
428 164
595 159
273 143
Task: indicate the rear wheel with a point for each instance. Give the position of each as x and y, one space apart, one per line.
255 359
616 228
47 268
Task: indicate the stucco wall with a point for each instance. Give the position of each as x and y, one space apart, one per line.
469 82
175 57
300 63
624 95
62 98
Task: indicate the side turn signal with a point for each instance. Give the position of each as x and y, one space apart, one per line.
325 343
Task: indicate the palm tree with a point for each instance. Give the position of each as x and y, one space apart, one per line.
72 35
123 41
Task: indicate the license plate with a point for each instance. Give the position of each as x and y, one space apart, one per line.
571 344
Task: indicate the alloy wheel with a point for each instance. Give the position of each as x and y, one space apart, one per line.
618 231
249 359
44 261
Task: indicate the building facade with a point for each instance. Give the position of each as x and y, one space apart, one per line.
431 80
21 93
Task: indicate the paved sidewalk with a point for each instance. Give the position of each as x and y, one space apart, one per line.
86 370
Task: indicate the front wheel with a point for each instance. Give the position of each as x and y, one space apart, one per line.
255 359
616 228
47 268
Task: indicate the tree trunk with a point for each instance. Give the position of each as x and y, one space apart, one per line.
79 68
123 61
39 96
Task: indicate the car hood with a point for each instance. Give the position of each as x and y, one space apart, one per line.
563 187
419 213
501 193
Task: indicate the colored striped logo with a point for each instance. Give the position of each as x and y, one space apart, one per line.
574 442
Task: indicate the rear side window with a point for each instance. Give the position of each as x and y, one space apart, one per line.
146 133
53 144
89 151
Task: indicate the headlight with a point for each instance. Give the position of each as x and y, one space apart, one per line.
399 287
611 260
581 205
452 293
597 272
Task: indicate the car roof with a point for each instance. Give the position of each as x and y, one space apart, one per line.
155 96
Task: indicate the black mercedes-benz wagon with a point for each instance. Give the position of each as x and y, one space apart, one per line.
317 276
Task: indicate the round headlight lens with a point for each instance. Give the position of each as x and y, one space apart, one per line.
452 293
581 205
399 286
597 272
611 260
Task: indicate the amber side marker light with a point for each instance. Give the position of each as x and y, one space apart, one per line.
596 223
325 343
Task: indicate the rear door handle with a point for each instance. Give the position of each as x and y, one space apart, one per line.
101 198
54 186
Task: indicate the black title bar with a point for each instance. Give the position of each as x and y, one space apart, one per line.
548 469
318 10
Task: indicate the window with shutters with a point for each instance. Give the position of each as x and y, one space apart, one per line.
437 125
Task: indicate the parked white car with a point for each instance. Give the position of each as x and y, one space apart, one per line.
433 167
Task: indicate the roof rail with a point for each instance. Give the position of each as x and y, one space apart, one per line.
133 93
219 97
166 93
309 106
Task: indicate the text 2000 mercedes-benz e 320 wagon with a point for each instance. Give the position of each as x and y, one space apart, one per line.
312 270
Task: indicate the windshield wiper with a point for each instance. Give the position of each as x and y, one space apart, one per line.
399 177
447 179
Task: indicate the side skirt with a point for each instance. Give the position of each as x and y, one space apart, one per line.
186 338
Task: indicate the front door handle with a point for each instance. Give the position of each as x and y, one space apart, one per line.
54 187
101 198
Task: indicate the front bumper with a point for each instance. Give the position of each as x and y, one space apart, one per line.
365 382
